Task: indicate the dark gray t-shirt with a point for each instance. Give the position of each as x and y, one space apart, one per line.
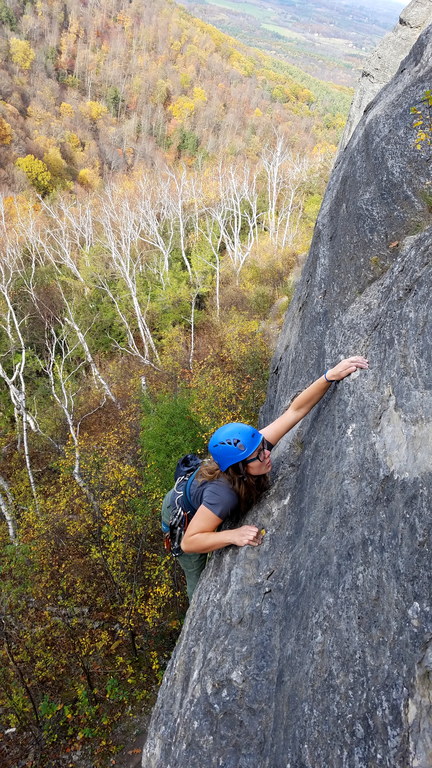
217 495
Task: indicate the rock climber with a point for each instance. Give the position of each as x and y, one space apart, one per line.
230 482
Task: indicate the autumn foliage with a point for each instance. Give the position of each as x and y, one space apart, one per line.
161 182
112 85
133 323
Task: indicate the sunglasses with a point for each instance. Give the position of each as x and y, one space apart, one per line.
260 455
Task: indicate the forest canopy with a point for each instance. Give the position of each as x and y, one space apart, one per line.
91 89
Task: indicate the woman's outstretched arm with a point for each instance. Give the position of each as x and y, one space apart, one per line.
304 402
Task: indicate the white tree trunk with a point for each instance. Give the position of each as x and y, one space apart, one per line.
7 508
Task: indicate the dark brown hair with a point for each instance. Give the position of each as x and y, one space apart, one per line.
247 487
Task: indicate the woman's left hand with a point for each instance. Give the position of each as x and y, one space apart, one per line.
345 367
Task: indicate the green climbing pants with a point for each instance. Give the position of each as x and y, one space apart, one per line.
191 563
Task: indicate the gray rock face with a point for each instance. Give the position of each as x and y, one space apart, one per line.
314 650
385 60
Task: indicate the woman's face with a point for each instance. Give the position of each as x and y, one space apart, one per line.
259 462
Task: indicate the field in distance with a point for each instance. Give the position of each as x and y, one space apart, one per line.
327 38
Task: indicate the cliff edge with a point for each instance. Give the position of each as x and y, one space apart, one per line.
384 61
314 650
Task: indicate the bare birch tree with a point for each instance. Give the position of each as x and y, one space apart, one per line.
119 237
55 240
64 375
213 233
183 205
157 223
285 173
13 373
238 217
7 507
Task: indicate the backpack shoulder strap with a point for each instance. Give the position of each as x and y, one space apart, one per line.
187 496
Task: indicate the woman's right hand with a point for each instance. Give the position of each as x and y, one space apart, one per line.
345 367
247 534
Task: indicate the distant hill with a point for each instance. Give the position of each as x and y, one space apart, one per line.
88 90
328 38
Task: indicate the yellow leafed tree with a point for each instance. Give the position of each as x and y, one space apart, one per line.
199 95
183 108
5 132
37 173
89 178
93 110
66 110
22 54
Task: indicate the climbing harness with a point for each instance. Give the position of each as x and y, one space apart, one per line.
182 512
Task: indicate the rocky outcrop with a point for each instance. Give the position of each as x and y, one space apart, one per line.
314 649
384 61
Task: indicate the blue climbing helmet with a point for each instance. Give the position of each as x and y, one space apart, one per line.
232 443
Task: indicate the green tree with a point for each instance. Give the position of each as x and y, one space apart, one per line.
114 100
169 430
188 142
7 16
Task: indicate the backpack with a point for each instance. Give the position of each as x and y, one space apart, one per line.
178 503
